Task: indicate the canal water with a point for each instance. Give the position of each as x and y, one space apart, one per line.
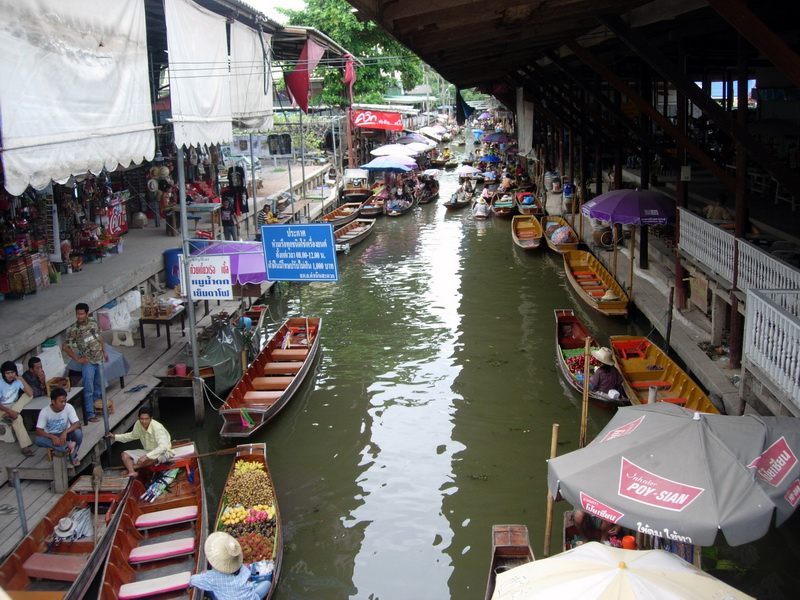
429 415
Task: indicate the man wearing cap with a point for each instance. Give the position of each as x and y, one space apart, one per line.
85 344
228 579
58 426
155 439
606 377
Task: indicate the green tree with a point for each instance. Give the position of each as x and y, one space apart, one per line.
383 58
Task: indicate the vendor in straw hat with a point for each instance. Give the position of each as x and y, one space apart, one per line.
606 377
228 579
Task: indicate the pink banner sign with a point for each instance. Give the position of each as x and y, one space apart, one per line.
376 119
622 431
775 463
640 485
793 495
597 508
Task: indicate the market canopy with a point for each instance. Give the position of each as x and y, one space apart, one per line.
82 104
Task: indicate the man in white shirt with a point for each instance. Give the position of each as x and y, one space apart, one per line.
59 427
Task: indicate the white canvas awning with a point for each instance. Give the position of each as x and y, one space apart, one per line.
75 95
199 80
524 124
251 86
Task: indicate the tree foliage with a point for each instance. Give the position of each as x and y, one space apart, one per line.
383 58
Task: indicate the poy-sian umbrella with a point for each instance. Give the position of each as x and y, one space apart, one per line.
390 163
393 150
678 475
598 572
630 207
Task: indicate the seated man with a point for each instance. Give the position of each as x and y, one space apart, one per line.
155 439
35 377
12 402
588 526
606 377
59 427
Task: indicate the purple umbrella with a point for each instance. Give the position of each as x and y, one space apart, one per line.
630 207
495 138
247 260
411 137
484 115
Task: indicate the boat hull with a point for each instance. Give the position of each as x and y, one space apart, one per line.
272 379
643 364
572 244
594 284
526 231
352 234
523 208
571 336
511 547
343 215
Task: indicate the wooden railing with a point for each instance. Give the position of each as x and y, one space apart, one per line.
772 337
707 244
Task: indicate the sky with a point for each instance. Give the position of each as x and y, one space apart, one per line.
267 7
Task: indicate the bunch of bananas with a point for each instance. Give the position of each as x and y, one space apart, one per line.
243 466
234 514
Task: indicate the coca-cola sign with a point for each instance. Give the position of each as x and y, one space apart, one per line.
376 119
640 485
117 218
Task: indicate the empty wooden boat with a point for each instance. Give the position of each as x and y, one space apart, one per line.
160 540
528 204
644 365
343 215
264 535
48 565
571 336
272 378
594 284
511 547
558 238
526 231
351 234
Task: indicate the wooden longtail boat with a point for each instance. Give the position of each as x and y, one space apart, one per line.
688 552
528 204
643 364
356 187
63 567
373 207
571 336
481 216
430 194
571 240
502 205
160 540
395 208
594 284
455 204
526 231
343 215
352 233
511 547
269 531
272 378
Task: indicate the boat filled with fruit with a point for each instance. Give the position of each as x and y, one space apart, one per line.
248 510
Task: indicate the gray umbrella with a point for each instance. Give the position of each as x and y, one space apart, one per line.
679 475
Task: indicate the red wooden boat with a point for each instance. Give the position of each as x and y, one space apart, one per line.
511 547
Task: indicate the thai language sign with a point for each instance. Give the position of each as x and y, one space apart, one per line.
597 508
305 252
376 119
209 278
775 462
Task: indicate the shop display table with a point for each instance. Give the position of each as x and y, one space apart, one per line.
159 321
208 207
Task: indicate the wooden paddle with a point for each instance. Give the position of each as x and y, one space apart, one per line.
97 482
217 452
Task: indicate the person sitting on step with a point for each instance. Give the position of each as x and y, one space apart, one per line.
58 426
12 401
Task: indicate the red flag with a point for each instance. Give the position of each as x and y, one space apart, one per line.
298 81
349 74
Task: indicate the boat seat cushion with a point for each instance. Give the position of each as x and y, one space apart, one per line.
54 566
281 368
151 587
271 383
162 550
261 397
646 384
289 353
169 516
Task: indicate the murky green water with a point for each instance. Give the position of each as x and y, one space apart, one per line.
430 415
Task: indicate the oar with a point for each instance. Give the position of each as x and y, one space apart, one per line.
97 482
218 452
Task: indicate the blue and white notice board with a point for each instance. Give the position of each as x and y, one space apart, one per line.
301 252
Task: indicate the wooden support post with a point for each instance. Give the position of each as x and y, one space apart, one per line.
585 403
548 525
198 399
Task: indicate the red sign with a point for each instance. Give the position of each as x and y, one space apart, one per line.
117 218
622 431
642 486
599 509
376 119
793 495
775 463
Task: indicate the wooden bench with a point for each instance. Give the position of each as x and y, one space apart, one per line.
170 516
289 353
258 397
162 550
271 383
646 384
58 567
152 587
679 401
281 368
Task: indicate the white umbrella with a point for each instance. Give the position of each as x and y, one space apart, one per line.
394 150
466 170
431 133
595 571
421 147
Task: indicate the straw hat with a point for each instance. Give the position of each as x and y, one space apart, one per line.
154 172
223 552
163 172
65 528
505 198
609 295
604 355
481 200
